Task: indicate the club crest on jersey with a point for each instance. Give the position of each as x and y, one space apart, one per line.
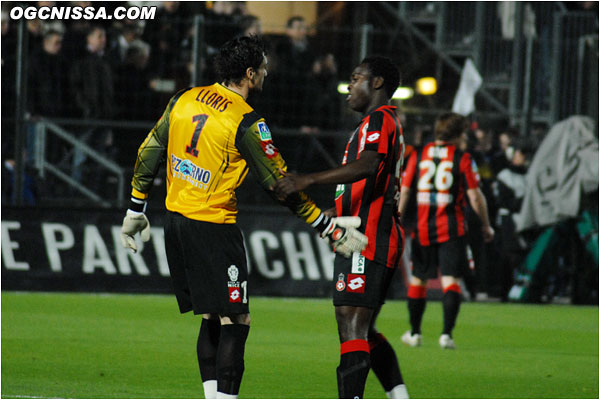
265 133
356 283
233 273
340 285
233 284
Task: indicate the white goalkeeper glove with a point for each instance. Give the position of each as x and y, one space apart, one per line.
344 237
133 223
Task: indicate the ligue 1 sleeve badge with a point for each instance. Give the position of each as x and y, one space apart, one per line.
340 284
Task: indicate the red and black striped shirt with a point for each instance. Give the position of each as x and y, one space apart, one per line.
374 198
444 175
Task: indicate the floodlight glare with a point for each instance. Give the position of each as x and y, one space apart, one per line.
342 88
427 86
402 93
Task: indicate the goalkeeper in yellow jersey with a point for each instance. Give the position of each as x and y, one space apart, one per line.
210 138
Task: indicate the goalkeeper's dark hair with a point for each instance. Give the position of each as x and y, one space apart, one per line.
385 68
236 56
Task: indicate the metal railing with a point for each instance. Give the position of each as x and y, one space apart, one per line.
45 128
530 65
568 28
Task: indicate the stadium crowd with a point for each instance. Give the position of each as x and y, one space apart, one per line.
122 69
127 70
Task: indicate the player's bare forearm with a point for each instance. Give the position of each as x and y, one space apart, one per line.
479 205
290 184
365 166
354 171
404 197
330 212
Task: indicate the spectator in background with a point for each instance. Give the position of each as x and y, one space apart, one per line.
128 34
5 22
47 97
499 160
509 191
9 46
75 39
165 35
221 24
35 27
92 87
483 148
47 79
294 65
92 79
483 151
48 87
135 99
9 51
250 25
322 105
132 82
323 99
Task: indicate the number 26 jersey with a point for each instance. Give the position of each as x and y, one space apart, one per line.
443 175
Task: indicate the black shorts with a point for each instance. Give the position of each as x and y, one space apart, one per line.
208 265
360 282
450 257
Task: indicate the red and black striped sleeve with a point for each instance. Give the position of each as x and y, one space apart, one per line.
376 137
468 169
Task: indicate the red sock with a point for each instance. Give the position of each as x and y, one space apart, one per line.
454 287
354 345
353 369
417 292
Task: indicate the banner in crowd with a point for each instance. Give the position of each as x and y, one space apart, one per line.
80 250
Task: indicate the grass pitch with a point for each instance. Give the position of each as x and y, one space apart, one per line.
126 346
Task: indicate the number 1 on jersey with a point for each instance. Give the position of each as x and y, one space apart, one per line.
200 120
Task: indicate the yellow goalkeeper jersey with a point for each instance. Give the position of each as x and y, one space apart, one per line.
210 137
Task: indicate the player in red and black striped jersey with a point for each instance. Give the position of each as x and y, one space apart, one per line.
444 177
367 192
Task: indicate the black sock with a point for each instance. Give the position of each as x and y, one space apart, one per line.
416 309
230 357
206 348
451 302
384 363
353 369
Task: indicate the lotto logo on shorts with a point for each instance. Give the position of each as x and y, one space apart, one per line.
235 295
356 283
